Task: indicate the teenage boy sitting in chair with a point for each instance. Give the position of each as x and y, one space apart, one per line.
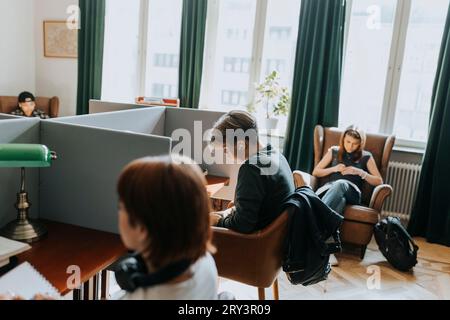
27 107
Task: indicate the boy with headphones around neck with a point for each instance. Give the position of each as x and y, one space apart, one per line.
164 218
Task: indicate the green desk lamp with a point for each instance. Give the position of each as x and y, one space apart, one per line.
24 156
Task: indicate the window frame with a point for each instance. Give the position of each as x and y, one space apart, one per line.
143 42
143 48
255 63
392 86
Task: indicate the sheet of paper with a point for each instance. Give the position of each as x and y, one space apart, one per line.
25 281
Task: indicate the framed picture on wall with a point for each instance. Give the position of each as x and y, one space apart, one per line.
59 40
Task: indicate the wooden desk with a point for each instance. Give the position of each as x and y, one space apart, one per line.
67 245
214 184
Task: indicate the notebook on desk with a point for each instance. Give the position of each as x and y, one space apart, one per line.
10 248
25 281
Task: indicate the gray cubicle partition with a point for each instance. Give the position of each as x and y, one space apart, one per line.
182 118
4 116
80 188
147 121
98 106
159 121
18 130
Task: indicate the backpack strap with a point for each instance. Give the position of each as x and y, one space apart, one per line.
396 222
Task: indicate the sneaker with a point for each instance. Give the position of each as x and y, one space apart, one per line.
333 261
333 244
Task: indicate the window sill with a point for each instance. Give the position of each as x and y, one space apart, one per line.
408 149
410 146
271 133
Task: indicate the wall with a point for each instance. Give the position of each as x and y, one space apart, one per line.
54 76
407 156
17 47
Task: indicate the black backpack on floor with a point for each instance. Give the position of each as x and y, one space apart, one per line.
396 244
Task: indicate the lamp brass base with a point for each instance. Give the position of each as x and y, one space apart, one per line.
24 230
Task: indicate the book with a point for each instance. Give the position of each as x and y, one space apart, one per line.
10 248
156 101
4 262
26 282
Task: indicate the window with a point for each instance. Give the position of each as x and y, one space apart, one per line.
164 90
237 65
163 46
237 34
233 98
280 44
366 63
390 66
228 44
141 51
279 33
423 41
121 80
165 60
246 40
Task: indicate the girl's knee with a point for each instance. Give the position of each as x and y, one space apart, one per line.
341 186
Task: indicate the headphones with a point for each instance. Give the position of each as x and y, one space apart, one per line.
131 273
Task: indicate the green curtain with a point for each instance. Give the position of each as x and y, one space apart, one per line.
431 214
90 52
193 28
317 77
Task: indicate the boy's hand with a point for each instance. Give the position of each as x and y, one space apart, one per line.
214 218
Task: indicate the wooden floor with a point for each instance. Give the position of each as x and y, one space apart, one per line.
429 280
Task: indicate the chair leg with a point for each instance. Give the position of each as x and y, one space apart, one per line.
261 294
363 252
276 293
104 287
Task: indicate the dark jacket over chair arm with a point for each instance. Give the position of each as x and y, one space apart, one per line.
380 193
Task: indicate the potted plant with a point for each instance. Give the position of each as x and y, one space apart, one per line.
274 97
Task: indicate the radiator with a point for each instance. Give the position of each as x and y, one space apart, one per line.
404 179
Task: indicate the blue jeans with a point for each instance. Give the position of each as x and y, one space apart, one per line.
340 194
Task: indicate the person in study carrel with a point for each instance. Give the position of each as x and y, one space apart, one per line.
264 180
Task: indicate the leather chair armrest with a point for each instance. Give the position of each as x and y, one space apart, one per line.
379 195
54 107
304 179
224 233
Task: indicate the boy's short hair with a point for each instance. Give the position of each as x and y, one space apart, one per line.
168 197
236 120
24 96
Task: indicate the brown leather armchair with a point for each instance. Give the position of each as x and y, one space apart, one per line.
254 259
358 220
49 105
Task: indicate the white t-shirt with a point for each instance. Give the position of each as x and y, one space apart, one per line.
203 285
